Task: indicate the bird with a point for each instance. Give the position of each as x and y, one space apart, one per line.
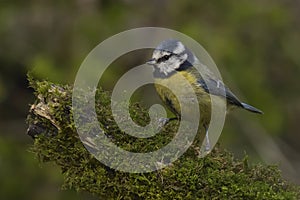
171 59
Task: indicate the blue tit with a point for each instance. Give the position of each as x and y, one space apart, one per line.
172 59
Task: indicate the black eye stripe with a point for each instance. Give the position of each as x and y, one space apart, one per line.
164 58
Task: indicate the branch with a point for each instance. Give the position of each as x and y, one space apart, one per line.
217 176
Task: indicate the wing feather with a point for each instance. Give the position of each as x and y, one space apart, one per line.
218 88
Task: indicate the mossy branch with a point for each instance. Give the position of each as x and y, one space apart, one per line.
217 176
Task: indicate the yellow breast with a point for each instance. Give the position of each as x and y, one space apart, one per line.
171 101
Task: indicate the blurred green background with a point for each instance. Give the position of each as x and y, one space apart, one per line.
255 44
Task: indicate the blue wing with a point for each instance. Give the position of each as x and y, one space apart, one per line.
217 87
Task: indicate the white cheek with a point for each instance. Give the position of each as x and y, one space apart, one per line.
174 62
184 57
162 68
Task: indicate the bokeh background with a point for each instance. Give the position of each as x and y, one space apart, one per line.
255 44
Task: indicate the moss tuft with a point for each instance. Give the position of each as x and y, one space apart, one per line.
217 176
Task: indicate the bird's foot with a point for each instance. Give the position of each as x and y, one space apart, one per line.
163 121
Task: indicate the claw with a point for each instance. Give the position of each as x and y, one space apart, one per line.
162 122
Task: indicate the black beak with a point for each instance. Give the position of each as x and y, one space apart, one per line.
151 61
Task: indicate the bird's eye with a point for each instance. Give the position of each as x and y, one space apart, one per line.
164 58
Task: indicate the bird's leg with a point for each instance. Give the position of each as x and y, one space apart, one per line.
207 146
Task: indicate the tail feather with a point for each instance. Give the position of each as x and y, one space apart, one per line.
251 108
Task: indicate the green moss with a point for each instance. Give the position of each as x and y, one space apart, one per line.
217 176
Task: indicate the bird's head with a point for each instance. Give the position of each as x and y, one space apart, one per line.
169 56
